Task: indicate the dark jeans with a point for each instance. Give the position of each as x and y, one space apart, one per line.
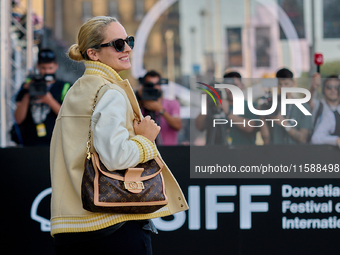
128 239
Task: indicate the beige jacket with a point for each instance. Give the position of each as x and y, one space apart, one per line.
68 152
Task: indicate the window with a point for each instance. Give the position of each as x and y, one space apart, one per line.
331 20
87 10
294 10
113 8
234 43
262 44
139 10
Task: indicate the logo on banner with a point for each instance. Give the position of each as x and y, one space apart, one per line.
239 99
45 224
204 97
213 207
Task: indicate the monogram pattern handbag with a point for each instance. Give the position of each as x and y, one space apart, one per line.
136 190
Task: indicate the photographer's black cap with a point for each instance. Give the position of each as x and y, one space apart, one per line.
46 56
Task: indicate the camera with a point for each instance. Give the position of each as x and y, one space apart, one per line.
38 86
149 92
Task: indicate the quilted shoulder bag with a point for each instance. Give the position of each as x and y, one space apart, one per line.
135 190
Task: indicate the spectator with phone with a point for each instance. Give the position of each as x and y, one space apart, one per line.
165 112
38 103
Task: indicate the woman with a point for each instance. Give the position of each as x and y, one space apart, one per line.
118 138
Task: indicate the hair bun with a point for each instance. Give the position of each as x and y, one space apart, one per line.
74 53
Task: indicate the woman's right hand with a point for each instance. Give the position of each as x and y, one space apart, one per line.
147 128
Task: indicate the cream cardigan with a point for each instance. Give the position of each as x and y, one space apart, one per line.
68 150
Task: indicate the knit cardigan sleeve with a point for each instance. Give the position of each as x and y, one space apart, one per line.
111 138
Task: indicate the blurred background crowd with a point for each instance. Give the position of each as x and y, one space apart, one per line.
248 43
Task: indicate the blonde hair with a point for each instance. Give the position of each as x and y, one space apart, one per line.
90 35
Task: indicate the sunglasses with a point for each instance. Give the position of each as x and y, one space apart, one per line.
336 87
119 44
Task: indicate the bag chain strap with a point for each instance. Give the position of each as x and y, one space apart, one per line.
88 144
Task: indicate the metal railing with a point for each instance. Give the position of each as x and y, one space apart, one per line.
16 59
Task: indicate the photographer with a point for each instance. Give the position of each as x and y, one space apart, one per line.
165 112
38 103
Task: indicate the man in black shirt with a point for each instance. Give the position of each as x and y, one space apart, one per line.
36 114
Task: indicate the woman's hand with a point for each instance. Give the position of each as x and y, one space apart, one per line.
147 128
